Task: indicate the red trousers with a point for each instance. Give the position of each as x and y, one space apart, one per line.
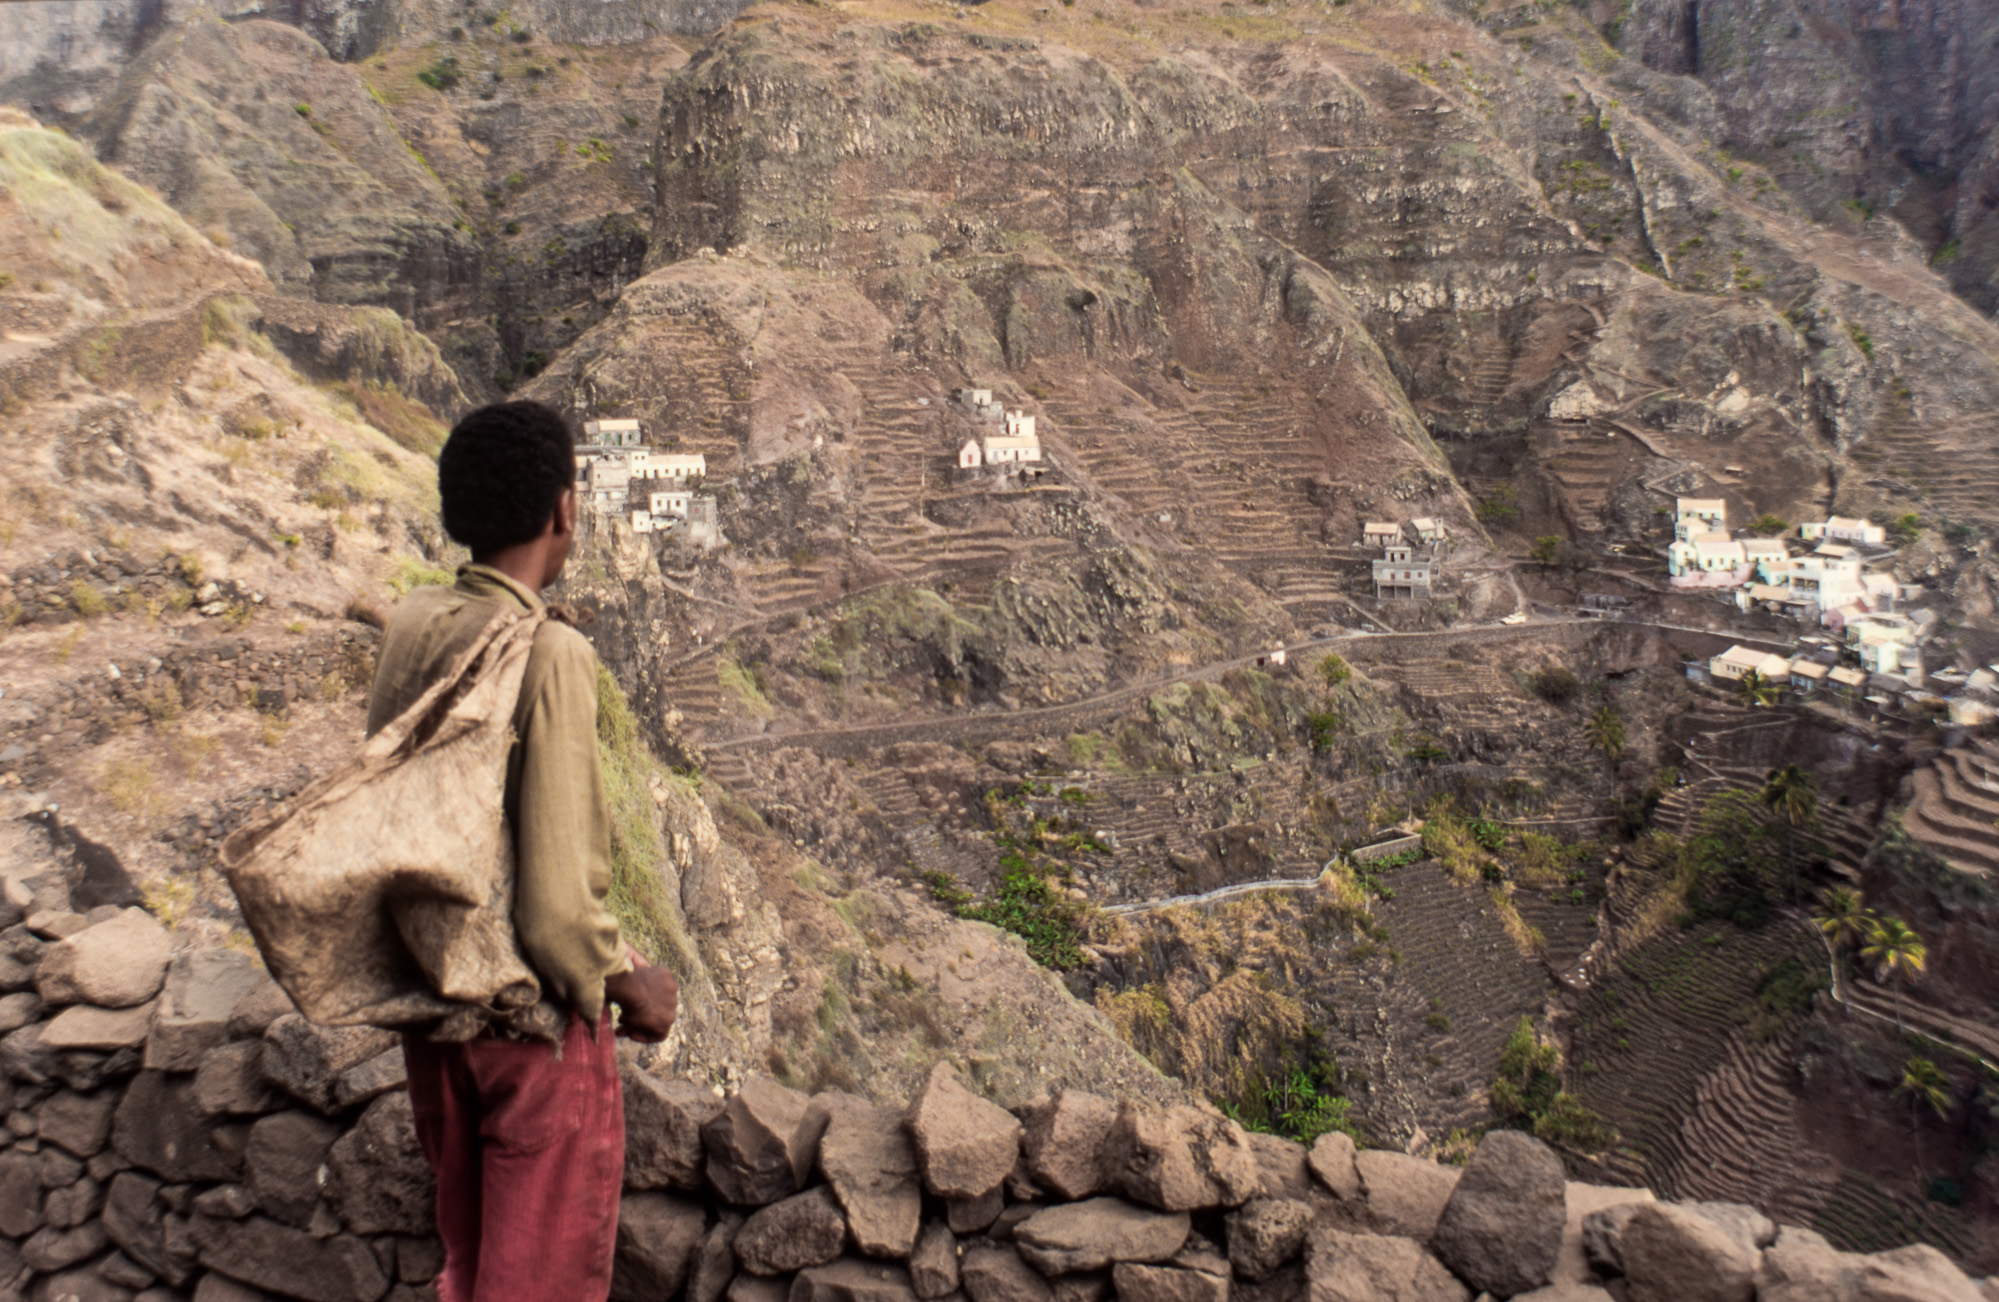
529 1152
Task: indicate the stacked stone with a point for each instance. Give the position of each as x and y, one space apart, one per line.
176 1131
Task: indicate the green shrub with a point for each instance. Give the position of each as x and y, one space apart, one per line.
1554 684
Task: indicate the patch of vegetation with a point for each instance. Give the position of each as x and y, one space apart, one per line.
1334 670
409 575
1499 506
1768 525
1554 684
1323 727
1528 1095
408 423
442 74
1027 901
646 912
1301 1105
1860 339
745 682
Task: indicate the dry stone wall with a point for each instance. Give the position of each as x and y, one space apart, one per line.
175 1130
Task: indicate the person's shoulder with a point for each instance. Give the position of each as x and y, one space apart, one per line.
560 648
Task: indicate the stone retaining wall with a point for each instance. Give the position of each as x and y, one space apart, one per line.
175 1131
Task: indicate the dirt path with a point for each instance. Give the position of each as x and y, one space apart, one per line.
990 725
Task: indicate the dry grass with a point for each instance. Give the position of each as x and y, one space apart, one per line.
128 784
1527 939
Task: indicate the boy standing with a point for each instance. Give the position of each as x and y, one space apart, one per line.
527 1138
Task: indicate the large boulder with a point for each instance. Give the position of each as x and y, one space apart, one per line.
663 1122
1141 1283
968 1145
1501 1231
1405 1195
806 1229
761 1145
378 1179
1332 1160
1675 1254
80 1123
282 1162
933 1267
119 963
1917 1273
86 1026
1283 1165
291 1262
1800 1266
995 1273
309 1061
1749 1227
1100 1232
657 1235
1266 1234
1344 1267
231 1081
852 1280
1064 1142
160 1128
1581 1202
1567 1291
869 1160
20 1194
1180 1159
714 1263
203 988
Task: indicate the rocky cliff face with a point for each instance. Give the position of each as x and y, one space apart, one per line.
1260 275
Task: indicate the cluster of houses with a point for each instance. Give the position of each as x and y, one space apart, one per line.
1831 585
1889 675
1405 570
1012 450
619 477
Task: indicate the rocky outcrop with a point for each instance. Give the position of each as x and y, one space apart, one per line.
299 1176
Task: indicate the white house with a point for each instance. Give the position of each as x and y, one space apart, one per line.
665 503
1844 529
1401 573
1764 551
613 433
1808 675
1428 530
676 465
1017 446
1708 560
981 403
1693 515
1380 533
1738 661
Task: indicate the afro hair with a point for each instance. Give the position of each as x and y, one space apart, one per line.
502 472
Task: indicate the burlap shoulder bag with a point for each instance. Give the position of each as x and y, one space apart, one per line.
383 895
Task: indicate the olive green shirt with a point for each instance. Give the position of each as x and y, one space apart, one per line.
555 794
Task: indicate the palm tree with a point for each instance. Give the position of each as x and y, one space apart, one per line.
1755 689
1847 919
1792 793
1923 1083
1605 732
1895 951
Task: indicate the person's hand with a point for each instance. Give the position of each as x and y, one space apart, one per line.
648 999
